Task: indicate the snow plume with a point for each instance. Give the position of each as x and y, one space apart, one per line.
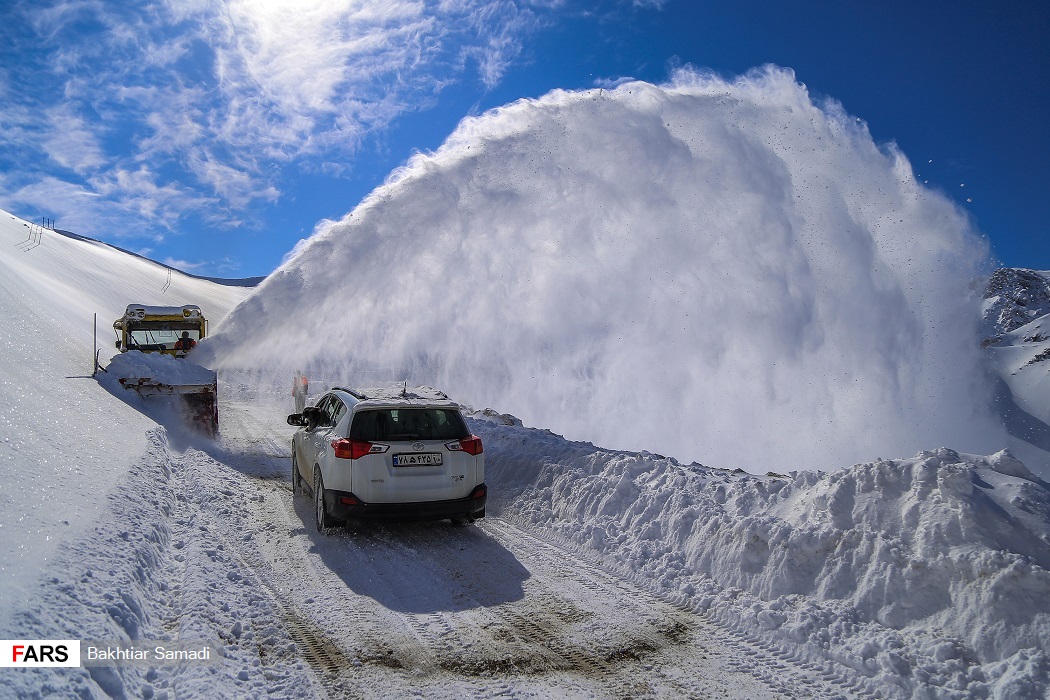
722 271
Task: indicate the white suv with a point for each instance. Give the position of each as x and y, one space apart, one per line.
382 453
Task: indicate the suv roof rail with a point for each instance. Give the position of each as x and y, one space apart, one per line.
353 392
401 389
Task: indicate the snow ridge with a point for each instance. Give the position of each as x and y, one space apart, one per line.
107 585
155 566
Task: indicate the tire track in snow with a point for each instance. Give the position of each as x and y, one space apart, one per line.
297 590
550 631
251 531
766 662
571 622
274 549
559 637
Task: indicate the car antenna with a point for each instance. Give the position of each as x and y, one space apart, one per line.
404 389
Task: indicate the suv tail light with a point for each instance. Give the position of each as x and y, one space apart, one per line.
471 445
356 449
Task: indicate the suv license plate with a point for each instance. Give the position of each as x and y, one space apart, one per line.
418 459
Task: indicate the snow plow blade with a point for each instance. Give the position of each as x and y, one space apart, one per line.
199 406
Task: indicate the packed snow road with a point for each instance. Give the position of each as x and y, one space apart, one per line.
395 610
202 542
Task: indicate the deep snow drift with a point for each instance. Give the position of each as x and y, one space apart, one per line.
927 575
711 270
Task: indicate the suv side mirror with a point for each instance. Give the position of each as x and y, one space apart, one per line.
297 419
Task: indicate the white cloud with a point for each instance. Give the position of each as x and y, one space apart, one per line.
71 143
138 192
40 195
184 265
295 77
50 19
296 55
171 120
504 44
191 101
73 206
20 133
232 185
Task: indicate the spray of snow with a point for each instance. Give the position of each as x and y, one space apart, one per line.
713 270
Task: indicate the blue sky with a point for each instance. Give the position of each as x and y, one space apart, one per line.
213 135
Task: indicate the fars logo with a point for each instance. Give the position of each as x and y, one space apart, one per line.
39 653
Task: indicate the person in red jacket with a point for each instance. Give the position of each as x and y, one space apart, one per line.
300 388
184 344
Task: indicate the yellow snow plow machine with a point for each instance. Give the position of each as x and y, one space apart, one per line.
160 328
154 342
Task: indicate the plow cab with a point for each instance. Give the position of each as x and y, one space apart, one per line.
154 342
172 330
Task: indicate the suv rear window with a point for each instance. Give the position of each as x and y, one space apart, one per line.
388 424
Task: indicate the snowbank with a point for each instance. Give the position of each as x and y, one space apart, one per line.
923 572
156 366
154 567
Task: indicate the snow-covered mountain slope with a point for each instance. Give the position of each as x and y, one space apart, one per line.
1016 332
716 271
1013 297
64 441
1022 357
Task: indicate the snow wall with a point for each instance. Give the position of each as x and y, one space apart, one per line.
719 271
927 575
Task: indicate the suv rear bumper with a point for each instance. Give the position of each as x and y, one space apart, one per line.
472 507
